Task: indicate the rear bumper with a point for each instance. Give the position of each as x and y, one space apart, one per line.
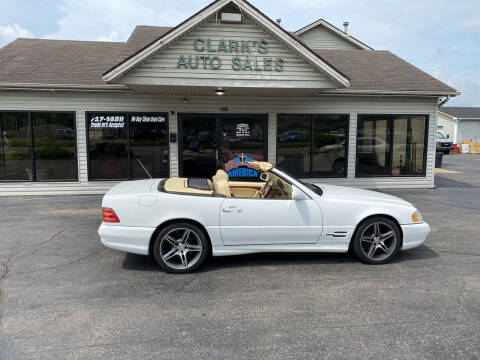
414 235
129 239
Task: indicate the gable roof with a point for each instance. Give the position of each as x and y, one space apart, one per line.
333 29
383 72
246 8
462 112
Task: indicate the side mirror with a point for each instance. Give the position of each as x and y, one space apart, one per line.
448 136
298 194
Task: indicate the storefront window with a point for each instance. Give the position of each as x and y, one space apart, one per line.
120 143
149 144
55 146
312 145
391 145
16 161
52 141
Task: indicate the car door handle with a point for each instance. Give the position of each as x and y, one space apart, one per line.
232 210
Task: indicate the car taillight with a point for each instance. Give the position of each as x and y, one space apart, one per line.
109 216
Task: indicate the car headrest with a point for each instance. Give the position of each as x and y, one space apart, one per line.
221 175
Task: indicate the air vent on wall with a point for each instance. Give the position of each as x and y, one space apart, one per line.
231 17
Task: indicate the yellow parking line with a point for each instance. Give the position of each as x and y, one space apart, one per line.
445 171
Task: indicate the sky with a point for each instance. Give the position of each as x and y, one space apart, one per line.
441 37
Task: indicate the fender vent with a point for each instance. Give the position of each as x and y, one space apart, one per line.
338 234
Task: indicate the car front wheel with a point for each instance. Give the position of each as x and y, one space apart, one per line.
377 240
180 248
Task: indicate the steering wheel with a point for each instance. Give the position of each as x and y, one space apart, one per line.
267 187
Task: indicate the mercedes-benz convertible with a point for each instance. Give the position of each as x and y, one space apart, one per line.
181 220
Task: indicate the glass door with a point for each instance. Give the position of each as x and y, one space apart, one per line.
198 145
242 139
218 141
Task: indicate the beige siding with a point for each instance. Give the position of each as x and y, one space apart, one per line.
162 69
81 102
321 38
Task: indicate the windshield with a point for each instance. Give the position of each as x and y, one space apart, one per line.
440 136
316 189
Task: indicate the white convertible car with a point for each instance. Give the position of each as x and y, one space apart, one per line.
180 221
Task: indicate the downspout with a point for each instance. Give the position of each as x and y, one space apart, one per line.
444 101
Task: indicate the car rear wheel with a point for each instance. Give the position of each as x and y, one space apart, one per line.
180 248
377 240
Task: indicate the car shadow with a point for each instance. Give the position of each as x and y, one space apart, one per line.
147 263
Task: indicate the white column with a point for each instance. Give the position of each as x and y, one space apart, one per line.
82 151
352 147
173 128
272 138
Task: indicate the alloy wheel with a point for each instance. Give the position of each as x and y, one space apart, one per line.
378 241
180 248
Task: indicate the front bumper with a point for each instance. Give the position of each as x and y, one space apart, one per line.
135 240
414 235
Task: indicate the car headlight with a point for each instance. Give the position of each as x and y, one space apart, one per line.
417 217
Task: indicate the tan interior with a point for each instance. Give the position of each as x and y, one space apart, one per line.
221 185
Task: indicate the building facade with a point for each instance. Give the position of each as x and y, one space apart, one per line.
77 117
460 123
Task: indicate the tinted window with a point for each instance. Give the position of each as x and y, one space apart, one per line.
294 144
117 141
55 146
313 145
391 145
149 144
108 143
373 150
15 156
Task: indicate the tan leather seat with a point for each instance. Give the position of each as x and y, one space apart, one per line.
222 175
220 183
222 188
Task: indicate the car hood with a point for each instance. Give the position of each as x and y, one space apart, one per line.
350 193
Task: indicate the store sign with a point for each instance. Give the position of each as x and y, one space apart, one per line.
242 130
108 122
240 167
148 119
240 60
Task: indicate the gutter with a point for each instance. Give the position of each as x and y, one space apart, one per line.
386 93
63 87
444 101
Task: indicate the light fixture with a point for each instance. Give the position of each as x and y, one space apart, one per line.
185 100
220 92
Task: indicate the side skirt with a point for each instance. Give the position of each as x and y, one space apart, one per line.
333 247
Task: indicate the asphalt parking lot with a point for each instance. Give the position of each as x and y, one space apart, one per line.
65 296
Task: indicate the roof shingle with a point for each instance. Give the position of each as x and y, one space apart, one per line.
38 61
462 112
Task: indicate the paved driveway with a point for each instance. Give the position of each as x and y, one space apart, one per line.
65 296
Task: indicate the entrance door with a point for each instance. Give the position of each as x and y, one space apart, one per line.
198 145
212 141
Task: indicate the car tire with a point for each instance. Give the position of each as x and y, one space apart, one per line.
377 240
181 248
